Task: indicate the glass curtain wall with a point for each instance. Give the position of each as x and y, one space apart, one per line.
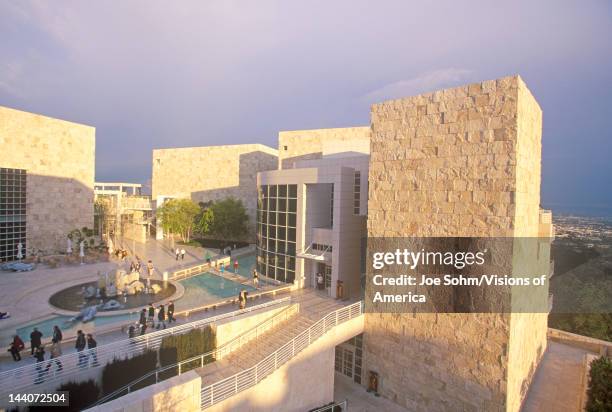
276 225
12 213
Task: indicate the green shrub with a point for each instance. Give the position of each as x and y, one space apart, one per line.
120 372
178 348
600 386
82 395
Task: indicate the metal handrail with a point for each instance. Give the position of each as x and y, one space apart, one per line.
228 387
72 363
343 406
216 353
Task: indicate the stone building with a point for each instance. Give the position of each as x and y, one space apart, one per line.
461 162
46 181
211 173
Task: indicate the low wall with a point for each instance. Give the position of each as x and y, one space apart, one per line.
180 393
303 383
600 347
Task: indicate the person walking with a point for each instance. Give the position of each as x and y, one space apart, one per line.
236 266
242 298
56 352
161 317
177 253
151 315
183 254
39 354
222 267
35 340
80 347
143 317
171 312
57 334
16 347
91 345
255 278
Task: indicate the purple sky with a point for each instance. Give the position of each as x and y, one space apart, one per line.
150 75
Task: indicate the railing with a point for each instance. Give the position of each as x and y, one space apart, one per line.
215 354
333 407
73 363
248 378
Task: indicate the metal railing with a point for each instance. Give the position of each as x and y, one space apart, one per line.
217 353
333 407
228 387
34 374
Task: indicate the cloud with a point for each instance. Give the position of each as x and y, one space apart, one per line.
427 82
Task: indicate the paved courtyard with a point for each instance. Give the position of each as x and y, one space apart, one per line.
25 295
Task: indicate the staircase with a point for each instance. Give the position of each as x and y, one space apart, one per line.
259 358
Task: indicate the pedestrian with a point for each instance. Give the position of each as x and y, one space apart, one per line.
242 298
183 254
35 340
222 267
57 333
39 354
161 317
255 278
143 317
177 253
16 347
150 272
131 332
56 352
91 345
236 266
208 257
319 281
143 329
80 347
171 312
151 315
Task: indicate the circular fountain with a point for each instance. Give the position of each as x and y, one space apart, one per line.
113 291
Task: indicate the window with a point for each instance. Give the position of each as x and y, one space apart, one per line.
12 213
276 222
331 208
357 193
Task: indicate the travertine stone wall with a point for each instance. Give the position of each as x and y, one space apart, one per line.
458 162
313 144
59 157
212 172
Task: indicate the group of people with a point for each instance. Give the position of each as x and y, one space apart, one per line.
179 253
135 266
86 342
147 318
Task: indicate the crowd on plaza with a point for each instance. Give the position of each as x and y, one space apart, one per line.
38 352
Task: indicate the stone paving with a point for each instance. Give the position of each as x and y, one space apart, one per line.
556 384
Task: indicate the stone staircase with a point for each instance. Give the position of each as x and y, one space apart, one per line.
313 306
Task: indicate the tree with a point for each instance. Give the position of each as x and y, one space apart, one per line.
229 219
204 219
178 217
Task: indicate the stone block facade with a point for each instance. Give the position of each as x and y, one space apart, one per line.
59 158
299 145
460 162
212 172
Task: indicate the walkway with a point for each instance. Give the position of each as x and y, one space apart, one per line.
555 386
313 307
359 400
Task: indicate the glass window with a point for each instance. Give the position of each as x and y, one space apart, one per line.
282 191
273 190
